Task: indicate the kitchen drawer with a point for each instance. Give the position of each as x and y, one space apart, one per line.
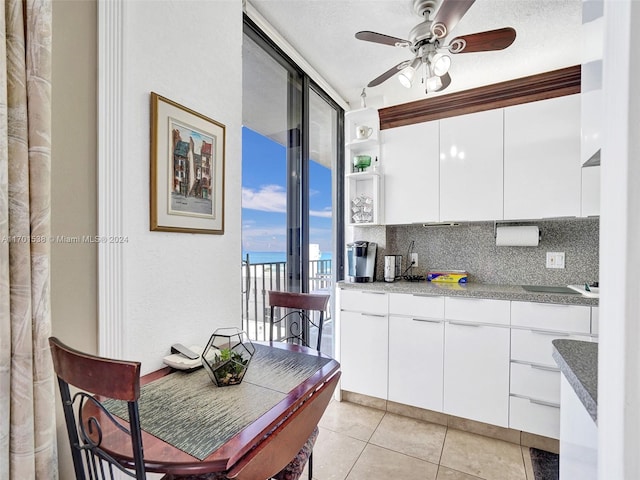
533 416
416 305
477 310
551 316
595 320
530 345
535 381
364 301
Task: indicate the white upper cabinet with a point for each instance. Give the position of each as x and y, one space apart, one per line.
471 173
411 166
542 176
592 103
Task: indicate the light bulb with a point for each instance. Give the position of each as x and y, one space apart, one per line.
434 84
406 76
440 64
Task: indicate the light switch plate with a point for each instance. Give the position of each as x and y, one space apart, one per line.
555 259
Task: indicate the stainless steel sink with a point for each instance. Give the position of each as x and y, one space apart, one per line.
547 289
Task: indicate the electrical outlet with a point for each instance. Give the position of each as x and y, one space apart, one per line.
555 259
414 259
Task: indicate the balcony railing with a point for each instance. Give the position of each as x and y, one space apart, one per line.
259 278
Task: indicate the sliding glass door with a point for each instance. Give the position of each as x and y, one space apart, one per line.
290 189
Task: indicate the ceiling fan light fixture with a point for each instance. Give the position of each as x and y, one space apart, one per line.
407 73
434 84
406 76
440 64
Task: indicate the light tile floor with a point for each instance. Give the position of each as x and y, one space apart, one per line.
362 443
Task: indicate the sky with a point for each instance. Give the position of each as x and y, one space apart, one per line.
264 197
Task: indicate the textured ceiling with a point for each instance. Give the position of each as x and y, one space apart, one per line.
322 31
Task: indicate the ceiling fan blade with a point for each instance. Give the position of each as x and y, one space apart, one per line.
448 16
484 41
381 38
389 73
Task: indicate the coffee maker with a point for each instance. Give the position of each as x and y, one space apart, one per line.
361 261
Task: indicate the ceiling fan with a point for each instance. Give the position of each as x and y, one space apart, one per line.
426 43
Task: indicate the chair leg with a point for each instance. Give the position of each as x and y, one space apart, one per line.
310 469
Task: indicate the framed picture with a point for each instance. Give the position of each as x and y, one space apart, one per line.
187 169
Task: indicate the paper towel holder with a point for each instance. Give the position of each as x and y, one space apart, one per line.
518 224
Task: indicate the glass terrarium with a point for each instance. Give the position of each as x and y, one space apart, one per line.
227 355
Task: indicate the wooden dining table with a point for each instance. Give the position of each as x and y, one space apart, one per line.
191 427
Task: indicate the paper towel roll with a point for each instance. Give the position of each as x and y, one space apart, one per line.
521 236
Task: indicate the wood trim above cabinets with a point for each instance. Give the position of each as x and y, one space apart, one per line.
557 83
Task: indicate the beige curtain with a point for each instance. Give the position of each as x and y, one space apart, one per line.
27 391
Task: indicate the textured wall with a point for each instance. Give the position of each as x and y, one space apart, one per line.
472 247
178 287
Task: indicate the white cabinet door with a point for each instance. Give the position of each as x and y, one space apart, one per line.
476 372
411 169
542 170
590 191
471 171
364 353
416 361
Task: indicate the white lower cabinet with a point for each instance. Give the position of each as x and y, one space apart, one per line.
481 359
364 331
416 344
476 372
476 360
579 442
534 404
534 416
364 353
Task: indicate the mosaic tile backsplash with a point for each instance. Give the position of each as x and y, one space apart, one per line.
472 247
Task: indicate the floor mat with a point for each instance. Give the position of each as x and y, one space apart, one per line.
546 465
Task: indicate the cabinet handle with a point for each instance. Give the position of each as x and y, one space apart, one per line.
543 403
547 332
373 293
426 320
546 369
464 324
556 304
372 315
426 295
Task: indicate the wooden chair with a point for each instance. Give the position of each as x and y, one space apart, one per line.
298 319
106 378
269 457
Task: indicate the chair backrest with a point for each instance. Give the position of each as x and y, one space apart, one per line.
97 378
298 320
277 450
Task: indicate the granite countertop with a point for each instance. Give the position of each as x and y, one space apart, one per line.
477 290
578 361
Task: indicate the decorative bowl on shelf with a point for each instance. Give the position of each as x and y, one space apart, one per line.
361 162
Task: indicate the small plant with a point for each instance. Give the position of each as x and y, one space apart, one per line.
227 355
229 367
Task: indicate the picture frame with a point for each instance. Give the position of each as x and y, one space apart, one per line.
187 169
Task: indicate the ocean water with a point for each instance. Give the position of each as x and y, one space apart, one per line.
273 257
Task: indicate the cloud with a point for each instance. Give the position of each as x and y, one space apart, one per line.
270 198
273 198
326 213
266 232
